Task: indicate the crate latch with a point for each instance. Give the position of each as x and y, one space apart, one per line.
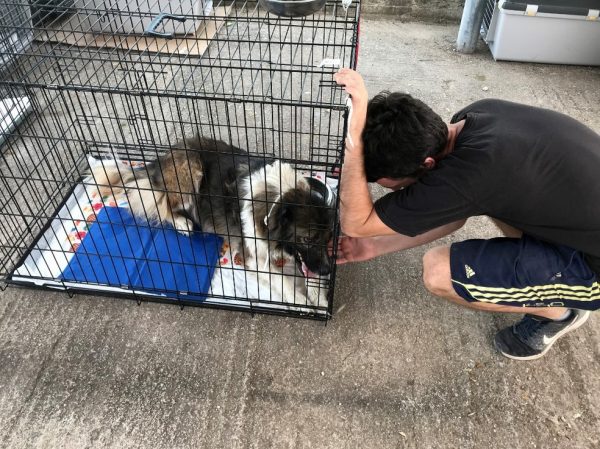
531 10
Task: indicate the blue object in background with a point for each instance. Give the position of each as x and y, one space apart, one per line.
118 253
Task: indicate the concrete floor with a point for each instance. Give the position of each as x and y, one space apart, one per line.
395 368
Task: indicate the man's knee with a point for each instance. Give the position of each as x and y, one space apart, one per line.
436 271
507 230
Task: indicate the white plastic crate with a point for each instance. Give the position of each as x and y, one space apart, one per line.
551 31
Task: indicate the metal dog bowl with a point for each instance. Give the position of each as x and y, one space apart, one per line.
292 8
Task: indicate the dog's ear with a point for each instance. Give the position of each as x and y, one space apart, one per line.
317 186
287 205
283 215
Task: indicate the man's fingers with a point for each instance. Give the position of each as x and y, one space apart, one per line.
342 257
344 71
344 77
339 246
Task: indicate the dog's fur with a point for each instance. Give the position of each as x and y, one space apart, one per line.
220 188
286 216
187 186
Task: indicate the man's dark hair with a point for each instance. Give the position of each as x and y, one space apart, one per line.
399 134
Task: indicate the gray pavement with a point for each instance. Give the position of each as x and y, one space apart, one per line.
395 368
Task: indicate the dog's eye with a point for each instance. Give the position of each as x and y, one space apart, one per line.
308 239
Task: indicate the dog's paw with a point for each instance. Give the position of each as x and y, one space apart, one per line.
238 259
183 225
236 245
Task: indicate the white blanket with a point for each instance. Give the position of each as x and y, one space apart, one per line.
231 284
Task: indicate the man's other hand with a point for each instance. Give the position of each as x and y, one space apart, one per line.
354 84
353 249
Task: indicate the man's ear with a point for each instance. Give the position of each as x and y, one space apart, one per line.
429 163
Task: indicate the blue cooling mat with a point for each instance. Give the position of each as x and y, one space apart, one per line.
118 253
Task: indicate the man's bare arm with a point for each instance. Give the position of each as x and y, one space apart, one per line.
359 249
357 214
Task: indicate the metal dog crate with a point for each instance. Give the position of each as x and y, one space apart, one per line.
246 77
548 31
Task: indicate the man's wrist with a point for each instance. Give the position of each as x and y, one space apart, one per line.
359 115
360 103
354 147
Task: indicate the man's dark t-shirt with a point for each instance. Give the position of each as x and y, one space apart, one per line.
532 168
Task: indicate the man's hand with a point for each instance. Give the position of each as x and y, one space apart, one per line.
358 249
352 249
355 86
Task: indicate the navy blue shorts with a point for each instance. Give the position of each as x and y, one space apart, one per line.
523 272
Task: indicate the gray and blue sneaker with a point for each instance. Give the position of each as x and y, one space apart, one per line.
531 337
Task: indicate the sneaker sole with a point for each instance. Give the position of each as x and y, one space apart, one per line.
575 325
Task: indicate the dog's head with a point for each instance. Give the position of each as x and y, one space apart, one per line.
302 223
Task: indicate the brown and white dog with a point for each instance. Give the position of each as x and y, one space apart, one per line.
266 211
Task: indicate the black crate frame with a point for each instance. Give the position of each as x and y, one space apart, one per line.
284 100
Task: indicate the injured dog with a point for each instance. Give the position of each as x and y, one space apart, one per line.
267 212
287 218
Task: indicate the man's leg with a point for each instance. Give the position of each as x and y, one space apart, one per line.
528 339
507 230
438 280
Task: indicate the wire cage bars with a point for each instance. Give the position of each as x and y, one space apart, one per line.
185 152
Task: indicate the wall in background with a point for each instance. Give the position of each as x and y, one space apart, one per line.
428 10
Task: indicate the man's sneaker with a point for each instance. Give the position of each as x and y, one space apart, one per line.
531 337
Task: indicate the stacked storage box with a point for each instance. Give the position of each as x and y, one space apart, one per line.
550 31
